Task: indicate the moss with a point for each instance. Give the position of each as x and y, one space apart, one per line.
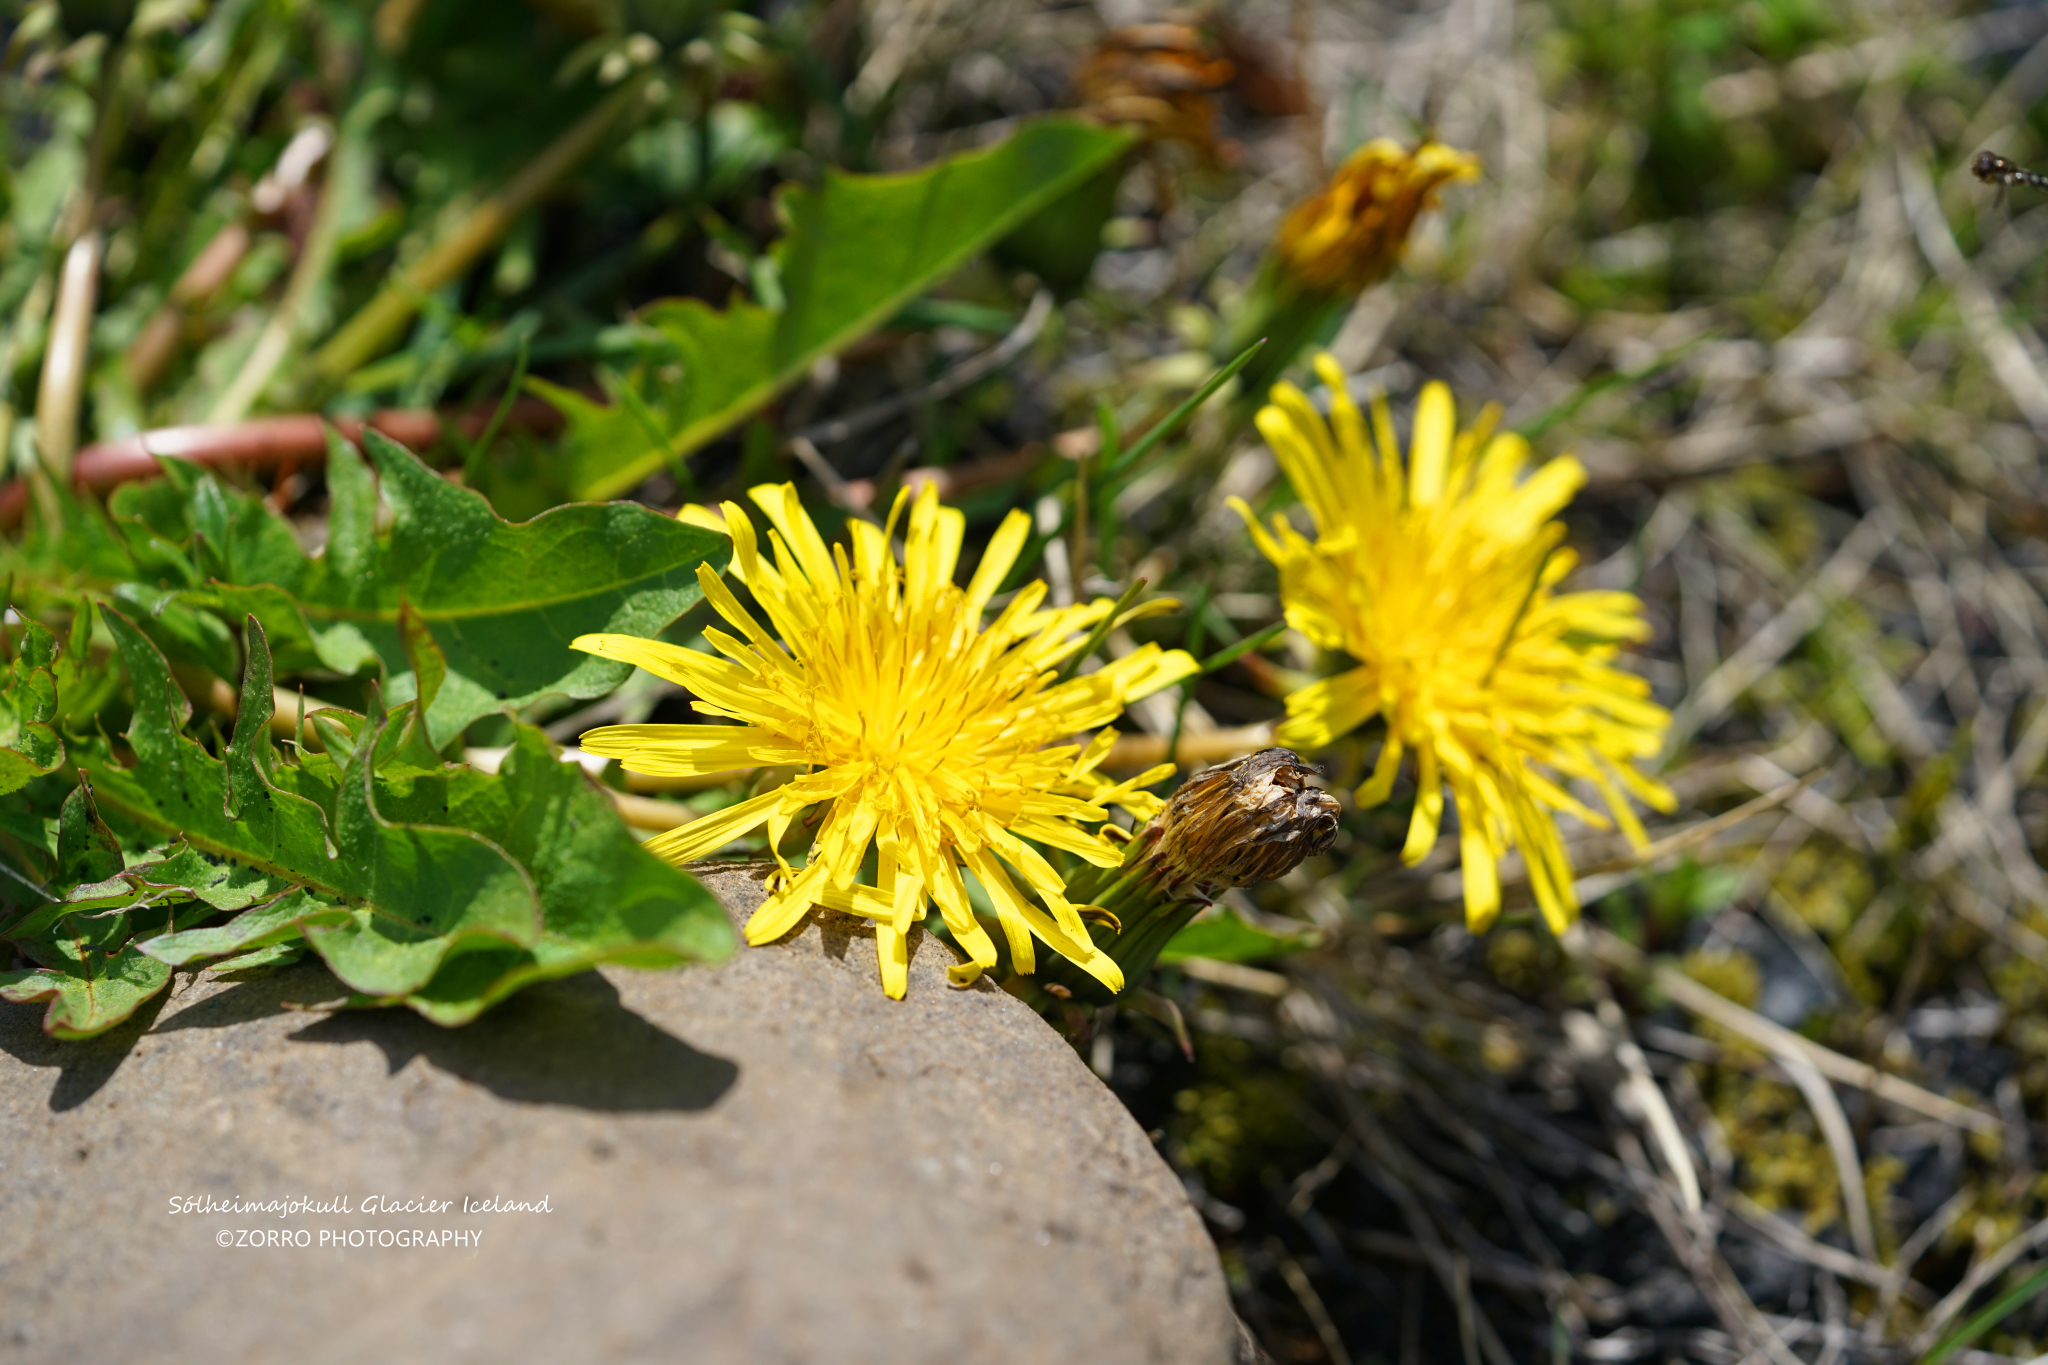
1826 885
1734 975
1726 972
1238 1132
1783 1162
1521 961
1882 1175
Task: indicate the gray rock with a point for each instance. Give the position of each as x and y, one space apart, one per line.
762 1162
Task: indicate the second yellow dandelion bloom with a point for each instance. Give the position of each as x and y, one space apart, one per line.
937 741
1438 575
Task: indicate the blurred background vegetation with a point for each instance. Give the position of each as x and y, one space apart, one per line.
1728 254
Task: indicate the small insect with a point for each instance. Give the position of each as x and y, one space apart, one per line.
1994 169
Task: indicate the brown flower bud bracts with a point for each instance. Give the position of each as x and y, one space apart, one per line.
1245 822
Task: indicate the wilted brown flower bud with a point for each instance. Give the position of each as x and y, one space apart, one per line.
1245 822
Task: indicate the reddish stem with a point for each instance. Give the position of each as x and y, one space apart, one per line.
263 442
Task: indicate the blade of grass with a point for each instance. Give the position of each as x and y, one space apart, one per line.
378 323
1162 430
1998 1311
621 388
473 458
1102 629
1106 452
1224 657
1196 638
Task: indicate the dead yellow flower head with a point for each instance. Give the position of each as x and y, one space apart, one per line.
1159 78
1439 576
936 741
1352 232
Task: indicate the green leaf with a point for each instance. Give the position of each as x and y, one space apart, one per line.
275 922
1226 938
29 745
275 955
499 601
217 883
415 894
87 850
89 994
443 888
604 898
187 635
91 974
856 251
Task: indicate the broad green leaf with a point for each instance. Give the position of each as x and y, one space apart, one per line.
414 893
444 888
87 850
215 882
604 897
501 600
94 978
274 955
855 251
29 746
1226 938
275 922
158 889
90 995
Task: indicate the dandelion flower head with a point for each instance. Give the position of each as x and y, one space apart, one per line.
1348 235
937 741
1438 577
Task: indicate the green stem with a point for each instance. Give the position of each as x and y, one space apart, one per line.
316 260
1290 319
380 321
1150 913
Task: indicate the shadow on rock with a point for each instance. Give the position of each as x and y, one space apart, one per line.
305 986
560 1042
84 1066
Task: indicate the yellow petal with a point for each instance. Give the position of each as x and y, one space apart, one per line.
785 512
702 517
1482 877
892 950
1381 784
998 557
1053 834
1429 807
658 657
685 750
709 833
780 912
1321 713
1429 458
1010 907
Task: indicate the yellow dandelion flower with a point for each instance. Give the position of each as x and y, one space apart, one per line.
1349 235
1439 578
936 740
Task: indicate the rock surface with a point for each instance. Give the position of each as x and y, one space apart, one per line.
761 1162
